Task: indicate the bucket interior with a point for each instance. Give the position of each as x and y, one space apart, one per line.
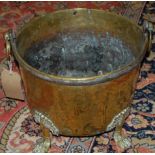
80 43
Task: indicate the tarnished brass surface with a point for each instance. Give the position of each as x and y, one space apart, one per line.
123 141
47 122
80 106
42 146
80 110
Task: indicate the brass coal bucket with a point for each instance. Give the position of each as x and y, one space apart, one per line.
79 106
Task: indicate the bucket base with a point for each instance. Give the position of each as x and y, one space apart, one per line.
48 126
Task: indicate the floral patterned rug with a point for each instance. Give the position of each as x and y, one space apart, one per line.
18 130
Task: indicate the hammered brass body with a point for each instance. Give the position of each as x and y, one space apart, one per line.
80 106
80 110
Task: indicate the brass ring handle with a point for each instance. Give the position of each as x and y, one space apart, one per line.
8 36
8 50
148 28
150 31
8 46
150 41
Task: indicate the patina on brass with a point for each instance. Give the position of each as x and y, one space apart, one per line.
80 106
41 118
